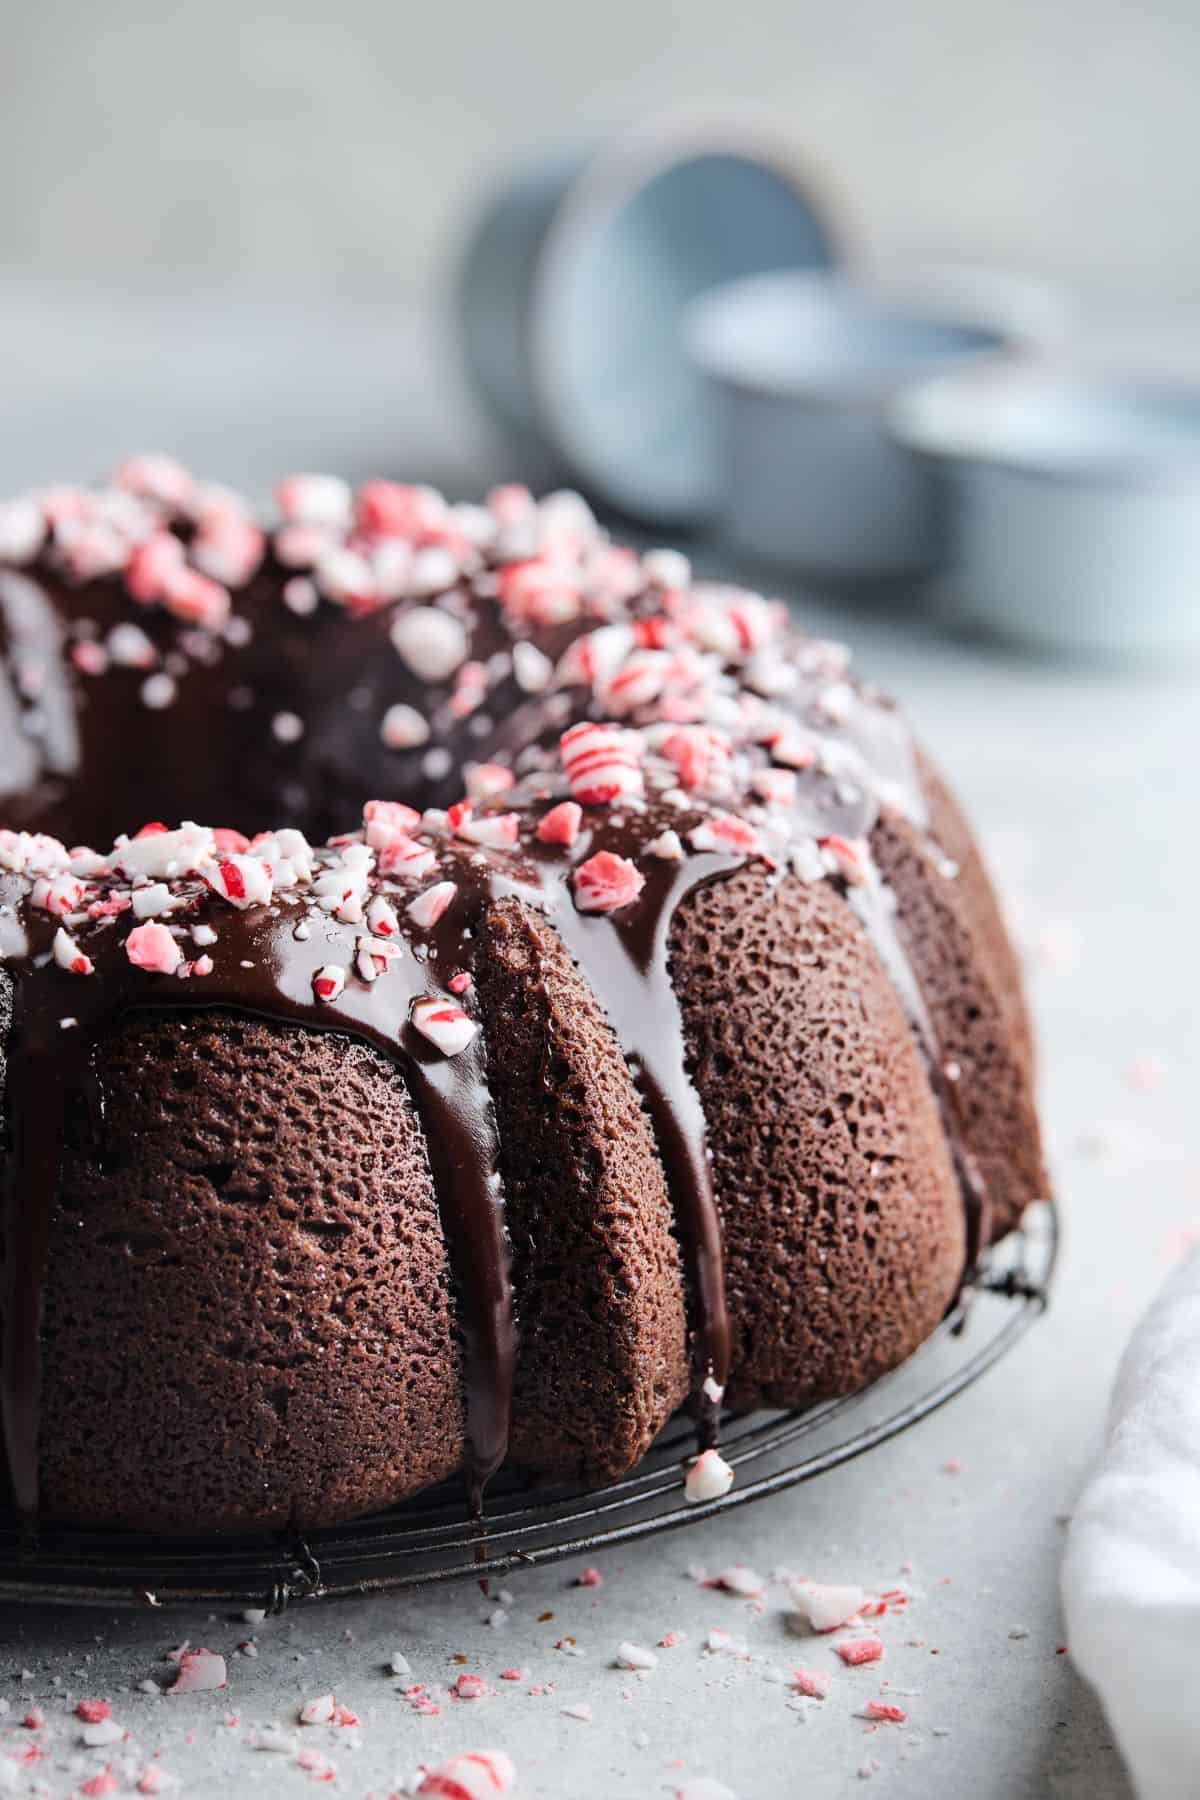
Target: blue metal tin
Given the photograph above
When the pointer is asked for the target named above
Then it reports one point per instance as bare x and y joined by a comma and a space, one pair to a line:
574, 284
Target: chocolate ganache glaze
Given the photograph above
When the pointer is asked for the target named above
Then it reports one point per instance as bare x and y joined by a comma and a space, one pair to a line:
625, 737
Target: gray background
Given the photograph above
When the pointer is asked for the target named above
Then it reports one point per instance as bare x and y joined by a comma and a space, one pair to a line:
301, 145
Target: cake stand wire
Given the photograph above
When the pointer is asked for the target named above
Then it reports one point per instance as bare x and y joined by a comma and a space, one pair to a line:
433, 1538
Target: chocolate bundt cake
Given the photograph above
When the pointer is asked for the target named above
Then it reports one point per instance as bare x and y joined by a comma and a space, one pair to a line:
578, 998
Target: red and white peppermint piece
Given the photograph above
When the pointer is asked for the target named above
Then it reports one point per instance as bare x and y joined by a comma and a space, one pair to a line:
532, 669
373, 956
384, 820
510, 503
485, 779
461, 983
104, 1731
229, 548
445, 1025
430, 641
812, 1683
882, 1713
150, 565
381, 918
733, 622
69, 956
96, 1786
699, 756
605, 882
601, 764
158, 691
837, 701
470, 1687
539, 593
561, 825
22, 529
319, 1711
58, 894
87, 863
404, 856
470, 690
328, 982
154, 1779
825, 1607
595, 658
300, 596
195, 599
708, 1478
346, 577
147, 902
153, 476
667, 568
152, 947
129, 647
92, 550
614, 574
199, 1671
639, 681
739, 1579
666, 847
242, 880
315, 500
848, 857
567, 521
726, 831
427, 908
859, 1650
158, 854
776, 786
479, 1775
302, 546
494, 831
404, 728
389, 509
434, 569
89, 657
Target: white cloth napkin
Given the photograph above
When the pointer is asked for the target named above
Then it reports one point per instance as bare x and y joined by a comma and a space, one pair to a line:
1131, 1578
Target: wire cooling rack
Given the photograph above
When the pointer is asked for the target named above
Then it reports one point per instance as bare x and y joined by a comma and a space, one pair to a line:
433, 1538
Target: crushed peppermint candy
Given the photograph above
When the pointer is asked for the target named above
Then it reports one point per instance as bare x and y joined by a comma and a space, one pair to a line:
709, 1477
151, 947
823, 1607
606, 882
445, 1025
601, 764
479, 1775
199, 1671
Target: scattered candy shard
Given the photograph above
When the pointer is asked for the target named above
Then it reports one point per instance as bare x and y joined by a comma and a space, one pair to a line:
479, 1775
708, 1478
199, 1670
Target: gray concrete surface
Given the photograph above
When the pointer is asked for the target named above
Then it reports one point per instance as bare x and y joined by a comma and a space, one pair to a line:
1083, 783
